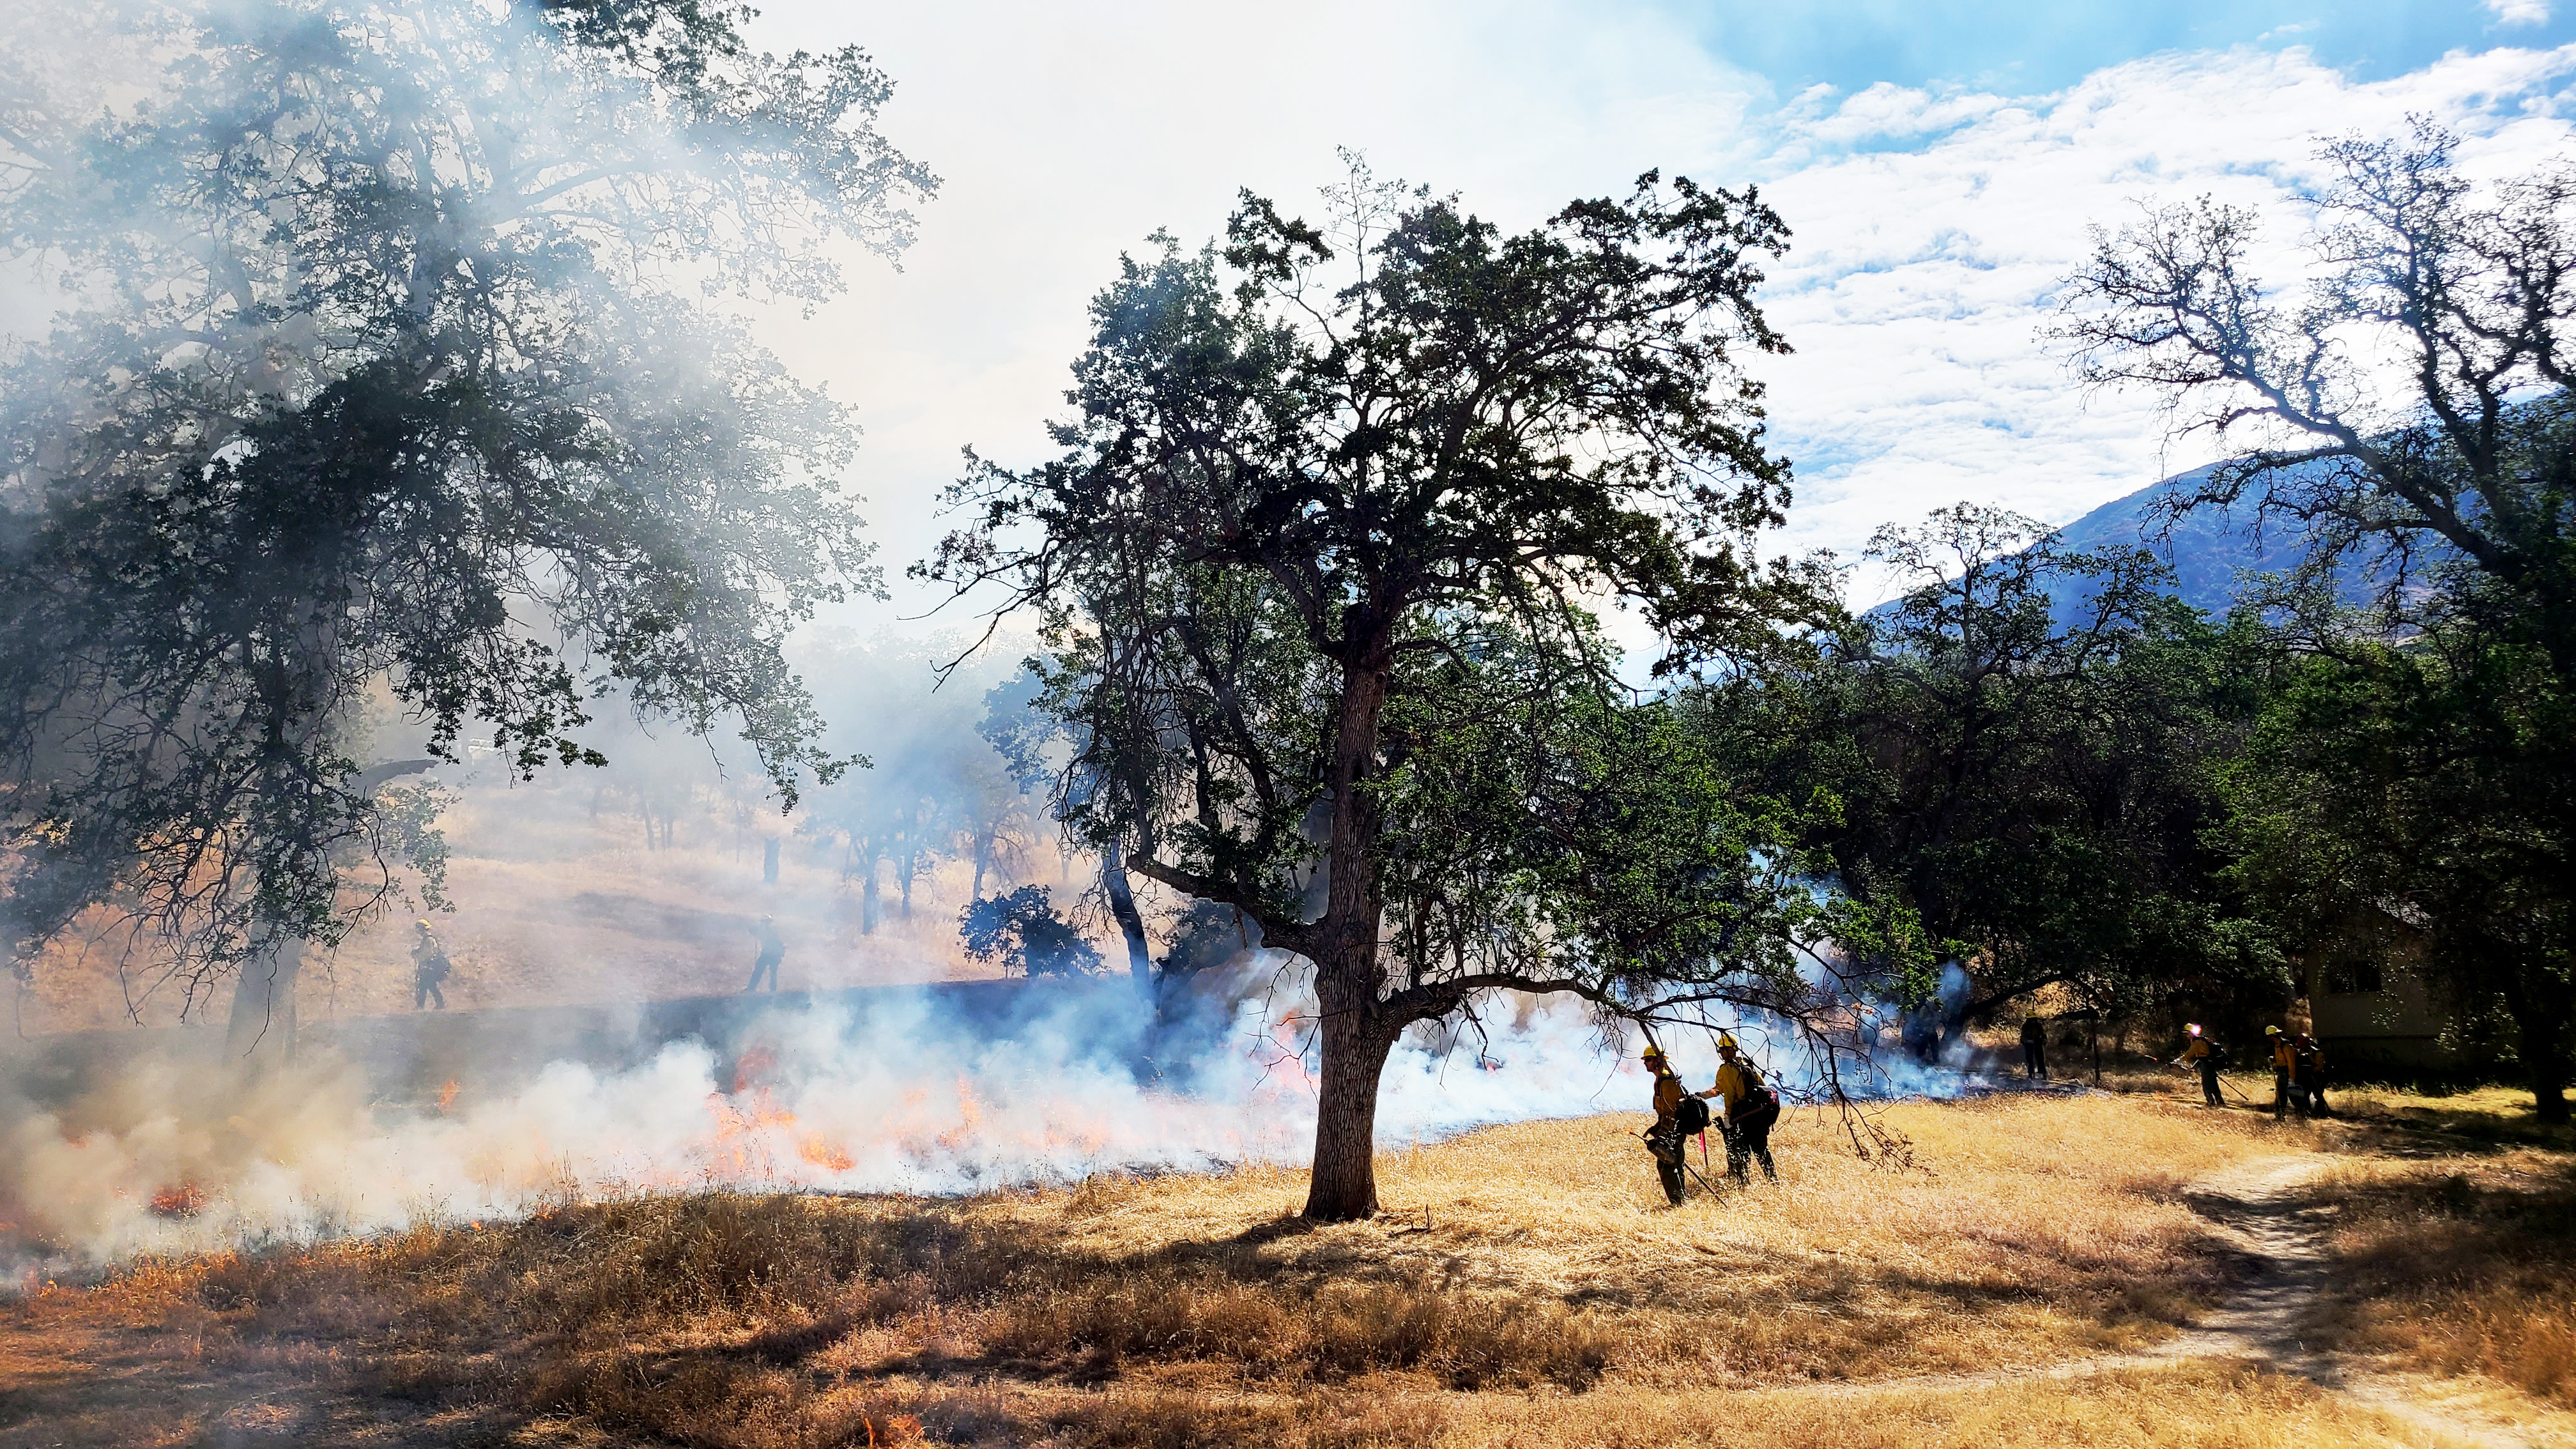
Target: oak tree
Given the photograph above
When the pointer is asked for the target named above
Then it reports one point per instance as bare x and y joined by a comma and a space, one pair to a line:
1332, 505
2411, 416
389, 380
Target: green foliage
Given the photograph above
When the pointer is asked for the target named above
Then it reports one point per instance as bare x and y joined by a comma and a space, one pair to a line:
1540, 825
1328, 490
1206, 936
2416, 428
2415, 797
371, 372
2035, 787
1278, 494
410, 828
1022, 931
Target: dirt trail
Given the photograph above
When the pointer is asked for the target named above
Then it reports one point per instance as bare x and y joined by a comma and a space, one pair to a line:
2257, 1207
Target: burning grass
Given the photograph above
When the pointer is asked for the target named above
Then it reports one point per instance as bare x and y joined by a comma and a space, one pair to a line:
1526, 1286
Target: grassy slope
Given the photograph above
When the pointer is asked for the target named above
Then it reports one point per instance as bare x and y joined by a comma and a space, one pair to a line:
557, 906
1526, 1287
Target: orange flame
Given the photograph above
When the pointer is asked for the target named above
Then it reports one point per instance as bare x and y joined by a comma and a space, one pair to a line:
180, 1200
821, 1152
970, 1115
751, 1066
446, 1096
739, 1146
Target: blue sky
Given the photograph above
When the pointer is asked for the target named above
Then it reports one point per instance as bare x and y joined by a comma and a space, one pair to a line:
1939, 164
2026, 47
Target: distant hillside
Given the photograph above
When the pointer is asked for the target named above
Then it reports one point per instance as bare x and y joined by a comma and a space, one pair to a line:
2208, 549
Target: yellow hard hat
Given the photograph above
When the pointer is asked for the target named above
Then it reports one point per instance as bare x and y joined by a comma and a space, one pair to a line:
1725, 1041
1651, 1052
424, 925
2271, 1031
2192, 1028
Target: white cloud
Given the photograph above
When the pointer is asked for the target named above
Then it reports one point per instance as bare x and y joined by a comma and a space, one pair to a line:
1930, 224
1921, 282
2519, 12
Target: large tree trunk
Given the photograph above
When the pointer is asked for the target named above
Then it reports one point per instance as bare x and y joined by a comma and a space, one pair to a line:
1131, 923
2549, 1092
1355, 1037
1343, 1187
2540, 1018
261, 1029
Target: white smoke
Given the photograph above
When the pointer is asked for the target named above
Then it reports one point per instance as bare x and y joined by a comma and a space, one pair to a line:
900, 1099
904, 1096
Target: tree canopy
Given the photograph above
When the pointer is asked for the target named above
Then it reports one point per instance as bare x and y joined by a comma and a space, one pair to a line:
1022, 931
1315, 565
380, 369
2022, 743
2413, 419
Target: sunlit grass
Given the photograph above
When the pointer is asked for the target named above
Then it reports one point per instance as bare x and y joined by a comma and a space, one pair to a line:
1527, 1285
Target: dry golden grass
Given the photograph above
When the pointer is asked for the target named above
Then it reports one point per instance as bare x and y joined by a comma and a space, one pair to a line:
2188, 1406
560, 907
1534, 1258
2500, 1114
1526, 1287
2048, 1226
2459, 1264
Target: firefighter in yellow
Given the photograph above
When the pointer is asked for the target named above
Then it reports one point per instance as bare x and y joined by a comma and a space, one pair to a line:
1665, 1138
2308, 1075
2285, 1064
1751, 1108
429, 967
2199, 1055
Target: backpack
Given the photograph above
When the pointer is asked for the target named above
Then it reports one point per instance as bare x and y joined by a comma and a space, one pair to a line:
1692, 1115
1761, 1104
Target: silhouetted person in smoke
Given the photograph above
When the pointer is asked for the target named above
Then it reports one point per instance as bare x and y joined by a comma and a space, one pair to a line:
428, 968
772, 951
2034, 1049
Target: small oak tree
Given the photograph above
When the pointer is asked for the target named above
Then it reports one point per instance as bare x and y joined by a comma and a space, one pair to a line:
1327, 512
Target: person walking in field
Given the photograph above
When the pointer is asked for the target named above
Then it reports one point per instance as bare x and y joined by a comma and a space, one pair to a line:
1673, 1122
429, 967
2034, 1049
2308, 1075
1750, 1108
772, 951
2285, 1063
2202, 1055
